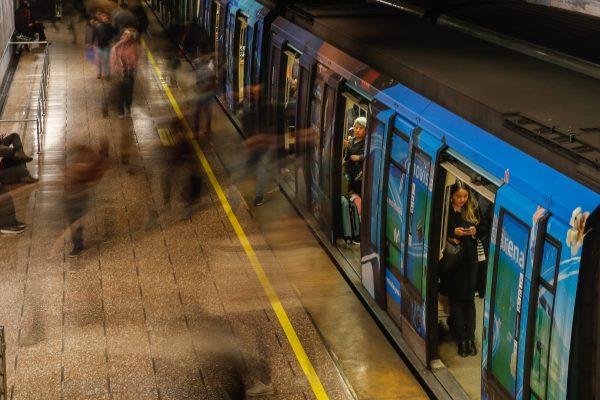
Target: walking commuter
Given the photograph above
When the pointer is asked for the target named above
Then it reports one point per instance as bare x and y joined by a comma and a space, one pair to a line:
137, 9
206, 84
123, 18
460, 284
124, 58
261, 141
84, 170
181, 168
102, 38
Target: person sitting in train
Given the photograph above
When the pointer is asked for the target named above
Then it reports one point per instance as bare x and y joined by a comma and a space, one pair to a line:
460, 284
26, 24
354, 148
13, 169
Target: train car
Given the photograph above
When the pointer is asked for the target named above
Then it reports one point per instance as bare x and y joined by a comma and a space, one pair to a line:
442, 106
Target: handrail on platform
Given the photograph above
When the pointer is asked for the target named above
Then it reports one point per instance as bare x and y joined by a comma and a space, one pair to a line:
3, 387
40, 112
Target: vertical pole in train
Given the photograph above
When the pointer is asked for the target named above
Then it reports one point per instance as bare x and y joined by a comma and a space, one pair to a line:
2, 365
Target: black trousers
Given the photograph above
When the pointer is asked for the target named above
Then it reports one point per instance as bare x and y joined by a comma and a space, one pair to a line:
462, 323
7, 208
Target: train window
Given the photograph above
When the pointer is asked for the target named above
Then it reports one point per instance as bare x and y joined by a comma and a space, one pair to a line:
355, 107
400, 150
217, 18
313, 143
243, 27
549, 259
509, 271
543, 322
290, 97
327, 140
395, 202
315, 112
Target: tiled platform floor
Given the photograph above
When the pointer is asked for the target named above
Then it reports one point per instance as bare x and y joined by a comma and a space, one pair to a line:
162, 312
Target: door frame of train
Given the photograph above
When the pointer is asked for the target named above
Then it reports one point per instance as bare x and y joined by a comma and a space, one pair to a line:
520, 209
307, 73
373, 275
429, 145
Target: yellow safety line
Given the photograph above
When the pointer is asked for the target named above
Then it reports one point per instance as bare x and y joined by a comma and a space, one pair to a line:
285, 322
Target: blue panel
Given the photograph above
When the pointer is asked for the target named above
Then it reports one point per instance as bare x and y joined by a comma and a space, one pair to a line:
404, 125
542, 184
404, 101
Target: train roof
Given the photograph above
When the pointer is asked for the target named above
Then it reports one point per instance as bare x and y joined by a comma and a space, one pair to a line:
546, 110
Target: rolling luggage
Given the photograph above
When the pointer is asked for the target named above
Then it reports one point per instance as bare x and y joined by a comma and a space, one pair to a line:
350, 221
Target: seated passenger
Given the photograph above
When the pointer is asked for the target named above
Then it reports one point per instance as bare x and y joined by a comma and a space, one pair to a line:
25, 23
8, 219
13, 160
354, 156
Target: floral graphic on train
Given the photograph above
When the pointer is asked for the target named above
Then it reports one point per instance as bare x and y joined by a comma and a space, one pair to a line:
576, 232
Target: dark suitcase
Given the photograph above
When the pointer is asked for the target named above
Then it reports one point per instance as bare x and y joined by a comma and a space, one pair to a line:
350, 221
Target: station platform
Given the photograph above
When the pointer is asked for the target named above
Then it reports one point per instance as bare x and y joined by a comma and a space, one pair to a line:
169, 307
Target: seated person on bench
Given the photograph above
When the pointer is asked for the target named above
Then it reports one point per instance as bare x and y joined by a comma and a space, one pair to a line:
13, 160
25, 23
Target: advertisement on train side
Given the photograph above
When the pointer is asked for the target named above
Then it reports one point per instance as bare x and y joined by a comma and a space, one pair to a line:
591, 7
510, 277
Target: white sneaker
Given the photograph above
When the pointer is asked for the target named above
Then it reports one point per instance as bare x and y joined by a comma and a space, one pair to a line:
260, 389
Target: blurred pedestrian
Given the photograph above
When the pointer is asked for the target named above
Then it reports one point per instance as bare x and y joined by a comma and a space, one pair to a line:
103, 33
261, 140
206, 84
124, 58
137, 9
181, 167
123, 18
85, 168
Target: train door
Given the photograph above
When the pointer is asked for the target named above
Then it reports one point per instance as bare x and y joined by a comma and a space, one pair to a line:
288, 109
442, 343
372, 274
423, 152
353, 106
320, 144
304, 135
514, 234
394, 217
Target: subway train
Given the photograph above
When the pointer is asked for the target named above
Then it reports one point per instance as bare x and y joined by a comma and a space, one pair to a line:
441, 106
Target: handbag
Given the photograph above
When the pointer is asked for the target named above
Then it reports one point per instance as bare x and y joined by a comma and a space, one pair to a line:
90, 54
480, 251
453, 253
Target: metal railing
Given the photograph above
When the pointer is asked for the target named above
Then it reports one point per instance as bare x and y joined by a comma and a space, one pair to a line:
40, 113
3, 386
